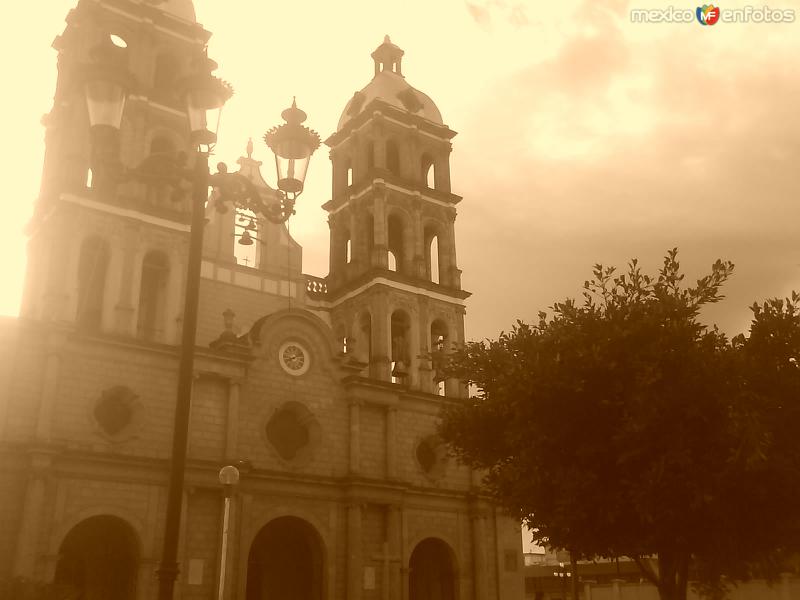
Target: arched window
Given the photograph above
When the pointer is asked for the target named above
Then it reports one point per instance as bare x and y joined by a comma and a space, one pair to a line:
349, 250
401, 327
432, 256
396, 245
392, 157
433, 251
152, 296
92, 267
428, 171
438, 348
349, 169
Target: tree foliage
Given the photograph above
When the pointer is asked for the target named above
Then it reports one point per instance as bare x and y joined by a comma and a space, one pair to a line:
622, 426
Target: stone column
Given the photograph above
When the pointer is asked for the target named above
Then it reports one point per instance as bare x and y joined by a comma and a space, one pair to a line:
480, 589
380, 256
394, 542
616, 589
232, 423
52, 367
71, 262
112, 286
32, 513
391, 442
587, 589
449, 273
56, 302
381, 363
355, 436
354, 555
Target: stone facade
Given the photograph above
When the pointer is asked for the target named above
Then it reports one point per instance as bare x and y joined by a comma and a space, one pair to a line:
323, 392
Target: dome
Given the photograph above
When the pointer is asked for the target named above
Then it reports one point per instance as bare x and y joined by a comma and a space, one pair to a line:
390, 86
183, 9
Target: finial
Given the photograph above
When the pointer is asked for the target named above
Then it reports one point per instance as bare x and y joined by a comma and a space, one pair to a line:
294, 101
387, 39
250, 148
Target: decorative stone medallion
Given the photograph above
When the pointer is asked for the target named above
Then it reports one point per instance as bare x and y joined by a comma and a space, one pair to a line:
294, 358
117, 412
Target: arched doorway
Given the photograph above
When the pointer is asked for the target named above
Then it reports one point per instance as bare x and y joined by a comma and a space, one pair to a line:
431, 571
98, 560
285, 562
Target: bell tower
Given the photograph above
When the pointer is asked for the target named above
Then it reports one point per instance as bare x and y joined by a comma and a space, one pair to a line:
394, 283
106, 252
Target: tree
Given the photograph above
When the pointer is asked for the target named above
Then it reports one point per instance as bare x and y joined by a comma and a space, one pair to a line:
622, 426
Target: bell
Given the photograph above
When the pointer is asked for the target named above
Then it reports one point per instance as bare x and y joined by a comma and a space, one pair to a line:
246, 239
399, 369
251, 226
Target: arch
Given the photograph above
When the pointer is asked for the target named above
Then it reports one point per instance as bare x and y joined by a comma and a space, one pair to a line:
439, 345
428, 171
432, 571
98, 559
434, 257
348, 169
401, 345
325, 338
92, 271
393, 157
286, 561
153, 296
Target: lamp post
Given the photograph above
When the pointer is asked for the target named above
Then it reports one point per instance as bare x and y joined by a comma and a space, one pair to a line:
228, 477
107, 83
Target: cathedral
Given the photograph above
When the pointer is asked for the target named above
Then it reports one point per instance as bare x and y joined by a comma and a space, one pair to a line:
324, 392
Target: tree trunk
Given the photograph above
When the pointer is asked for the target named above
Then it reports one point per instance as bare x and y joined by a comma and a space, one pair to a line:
673, 570
573, 562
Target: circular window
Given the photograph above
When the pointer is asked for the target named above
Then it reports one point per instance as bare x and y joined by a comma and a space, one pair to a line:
294, 358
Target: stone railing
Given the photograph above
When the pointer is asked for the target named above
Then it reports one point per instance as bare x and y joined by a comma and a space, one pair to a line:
316, 287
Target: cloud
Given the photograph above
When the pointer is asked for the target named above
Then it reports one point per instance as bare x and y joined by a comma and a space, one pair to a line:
620, 146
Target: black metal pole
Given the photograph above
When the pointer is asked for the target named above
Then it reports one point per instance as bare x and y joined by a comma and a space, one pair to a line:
168, 569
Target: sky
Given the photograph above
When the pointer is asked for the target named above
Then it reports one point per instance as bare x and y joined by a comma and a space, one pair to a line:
583, 137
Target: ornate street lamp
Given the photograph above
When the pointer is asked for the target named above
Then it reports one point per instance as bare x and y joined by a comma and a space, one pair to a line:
107, 83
